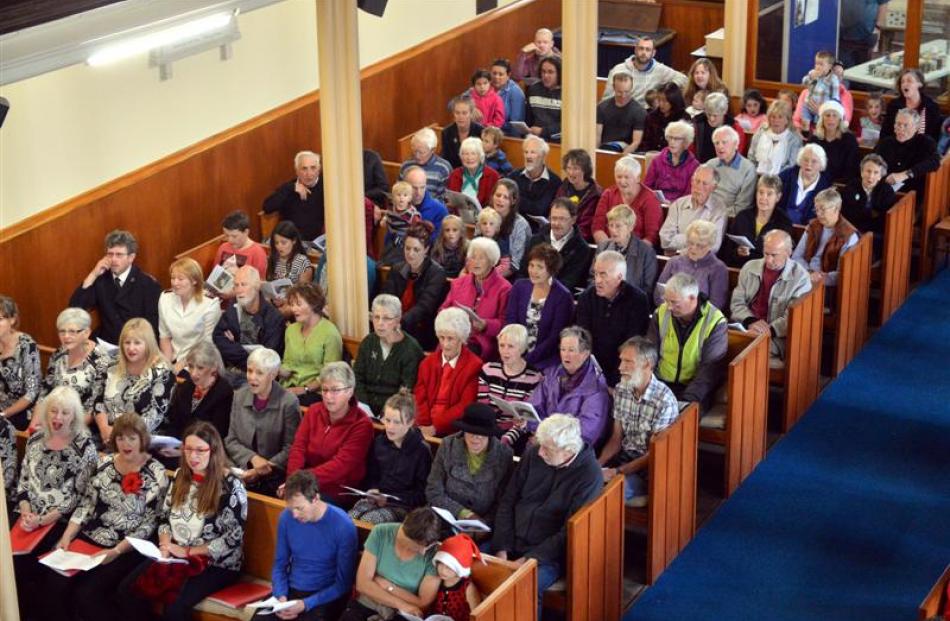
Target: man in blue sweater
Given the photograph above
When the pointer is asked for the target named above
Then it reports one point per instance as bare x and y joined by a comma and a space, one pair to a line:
316, 553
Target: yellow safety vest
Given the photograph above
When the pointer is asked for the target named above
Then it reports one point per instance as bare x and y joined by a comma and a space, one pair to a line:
678, 362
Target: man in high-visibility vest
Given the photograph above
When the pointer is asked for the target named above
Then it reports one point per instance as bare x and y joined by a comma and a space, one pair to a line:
691, 335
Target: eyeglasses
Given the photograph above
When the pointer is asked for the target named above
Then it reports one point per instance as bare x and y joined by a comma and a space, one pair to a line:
382, 318
116, 255
71, 331
334, 391
196, 451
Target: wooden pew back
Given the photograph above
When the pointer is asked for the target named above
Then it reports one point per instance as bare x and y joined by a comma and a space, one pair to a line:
936, 600
203, 253
851, 312
802, 355
935, 207
392, 171
895, 259
260, 534
267, 222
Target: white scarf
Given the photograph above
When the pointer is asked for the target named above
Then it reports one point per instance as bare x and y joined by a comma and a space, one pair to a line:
770, 151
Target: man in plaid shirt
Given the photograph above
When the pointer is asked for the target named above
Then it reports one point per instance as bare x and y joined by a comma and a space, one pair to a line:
643, 406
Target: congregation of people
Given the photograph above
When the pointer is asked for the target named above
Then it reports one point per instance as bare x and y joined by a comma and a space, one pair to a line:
601, 304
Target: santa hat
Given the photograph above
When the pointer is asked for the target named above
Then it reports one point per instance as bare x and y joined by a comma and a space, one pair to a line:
458, 552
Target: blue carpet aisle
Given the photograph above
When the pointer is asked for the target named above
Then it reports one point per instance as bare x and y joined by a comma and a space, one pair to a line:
849, 515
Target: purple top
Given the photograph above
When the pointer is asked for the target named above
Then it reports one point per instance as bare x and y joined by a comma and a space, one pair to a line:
589, 401
710, 273
557, 313
673, 181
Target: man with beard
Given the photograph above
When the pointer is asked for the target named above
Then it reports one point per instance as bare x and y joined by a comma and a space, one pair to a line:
643, 406
250, 321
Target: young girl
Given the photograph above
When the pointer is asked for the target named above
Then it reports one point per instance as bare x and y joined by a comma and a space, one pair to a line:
871, 121
697, 105
494, 156
399, 464
451, 246
753, 115
397, 221
457, 595
487, 101
489, 225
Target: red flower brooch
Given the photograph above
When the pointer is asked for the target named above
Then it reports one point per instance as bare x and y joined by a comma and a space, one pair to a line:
132, 483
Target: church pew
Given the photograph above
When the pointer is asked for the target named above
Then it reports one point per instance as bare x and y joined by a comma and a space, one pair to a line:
670, 516
935, 206
848, 322
799, 377
601, 87
392, 171
267, 222
46, 353
895, 259
936, 600
742, 433
203, 253
352, 346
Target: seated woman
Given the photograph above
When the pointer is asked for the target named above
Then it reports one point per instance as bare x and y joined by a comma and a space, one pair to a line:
454, 134
419, 283
825, 239
140, 381
398, 465
20, 374
203, 523
201, 393
448, 377
627, 190
473, 178
287, 259
543, 98
309, 343
575, 387
715, 115
909, 154
514, 233
700, 262
125, 498
334, 436
774, 147
186, 316
841, 147
541, 304
396, 571
671, 171
388, 359
801, 183
264, 419
753, 224
866, 201
580, 187
509, 380
471, 467
79, 363
483, 294
670, 107
641, 257
59, 461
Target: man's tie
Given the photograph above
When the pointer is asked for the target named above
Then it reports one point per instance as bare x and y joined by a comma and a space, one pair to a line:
117, 281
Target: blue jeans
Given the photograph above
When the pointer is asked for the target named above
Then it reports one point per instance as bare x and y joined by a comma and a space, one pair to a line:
634, 485
548, 574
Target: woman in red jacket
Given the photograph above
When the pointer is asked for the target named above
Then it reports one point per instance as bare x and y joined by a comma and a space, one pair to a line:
448, 377
473, 177
334, 436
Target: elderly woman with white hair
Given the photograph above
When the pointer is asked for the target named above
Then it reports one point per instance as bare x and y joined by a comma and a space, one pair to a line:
473, 178
801, 183
483, 294
909, 154
673, 167
448, 377
736, 186
775, 145
464, 127
627, 190
840, 145
202, 393
715, 115
556, 476
264, 419
640, 256
78, 363
700, 262
437, 170
388, 358
827, 236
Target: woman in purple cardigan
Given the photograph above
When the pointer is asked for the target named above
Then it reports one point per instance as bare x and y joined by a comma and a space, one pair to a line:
700, 262
541, 304
671, 171
483, 294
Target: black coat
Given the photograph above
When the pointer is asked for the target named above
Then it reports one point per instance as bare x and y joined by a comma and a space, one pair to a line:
375, 182
844, 156
534, 197
919, 154
927, 105
430, 290
451, 142
611, 322
744, 224
138, 297
307, 215
270, 325
575, 258
401, 472
867, 218
214, 408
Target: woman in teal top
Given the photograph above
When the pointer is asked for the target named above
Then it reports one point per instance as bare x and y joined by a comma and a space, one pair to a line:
396, 571
309, 343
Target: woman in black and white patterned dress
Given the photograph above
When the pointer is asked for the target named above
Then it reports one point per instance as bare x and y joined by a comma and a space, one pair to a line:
140, 381
19, 367
78, 363
204, 514
124, 499
60, 460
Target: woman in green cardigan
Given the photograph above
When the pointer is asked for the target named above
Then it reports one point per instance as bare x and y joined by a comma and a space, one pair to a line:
309, 343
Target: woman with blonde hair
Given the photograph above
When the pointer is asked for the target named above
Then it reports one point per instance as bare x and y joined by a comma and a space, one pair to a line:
185, 315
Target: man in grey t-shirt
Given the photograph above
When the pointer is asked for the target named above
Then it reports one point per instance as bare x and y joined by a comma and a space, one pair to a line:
620, 119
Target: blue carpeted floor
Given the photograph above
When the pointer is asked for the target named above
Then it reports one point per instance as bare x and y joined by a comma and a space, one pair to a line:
848, 517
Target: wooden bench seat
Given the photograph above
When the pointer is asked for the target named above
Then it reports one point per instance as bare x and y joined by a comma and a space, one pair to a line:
894, 271
936, 206
799, 376
936, 600
848, 323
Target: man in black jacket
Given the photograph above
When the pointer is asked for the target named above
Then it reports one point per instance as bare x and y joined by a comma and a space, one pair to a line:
250, 320
118, 289
537, 184
562, 233
300, 200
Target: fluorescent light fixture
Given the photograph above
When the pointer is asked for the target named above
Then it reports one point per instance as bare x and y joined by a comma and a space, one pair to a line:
161, 38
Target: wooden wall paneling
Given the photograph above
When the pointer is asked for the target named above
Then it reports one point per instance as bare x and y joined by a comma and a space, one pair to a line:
850, 323
895, 259
692, 21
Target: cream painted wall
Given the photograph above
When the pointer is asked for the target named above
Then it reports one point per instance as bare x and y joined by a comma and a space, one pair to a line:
72, 130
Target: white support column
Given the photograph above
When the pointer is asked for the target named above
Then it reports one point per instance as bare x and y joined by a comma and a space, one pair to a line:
579, 75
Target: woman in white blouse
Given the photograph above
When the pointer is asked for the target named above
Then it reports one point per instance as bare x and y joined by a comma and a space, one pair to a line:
775, 145
185, 315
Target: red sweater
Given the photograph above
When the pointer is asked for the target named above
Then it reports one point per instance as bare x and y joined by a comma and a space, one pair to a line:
645, 205
336, 453
486, 185
464, 389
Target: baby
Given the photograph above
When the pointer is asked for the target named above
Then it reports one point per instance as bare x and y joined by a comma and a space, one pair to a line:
823, 84
397, 221
698, 105
871, 121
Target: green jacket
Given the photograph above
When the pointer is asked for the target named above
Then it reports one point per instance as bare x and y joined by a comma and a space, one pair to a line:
378, 379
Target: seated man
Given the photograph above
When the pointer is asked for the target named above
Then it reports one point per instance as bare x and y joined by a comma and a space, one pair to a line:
526, 65
737, 177
431, 209
620, 119
509, 91
238, 249
612, 310
555, 477
251, 320
437, 170
565, 237
692, 338
537, 184
825, 239
643, 406
118, 289
315, 554
648, 73
766, 288
300, 200
701, 204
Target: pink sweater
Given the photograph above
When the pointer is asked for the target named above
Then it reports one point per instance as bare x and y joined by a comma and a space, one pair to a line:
491, 106
490, 307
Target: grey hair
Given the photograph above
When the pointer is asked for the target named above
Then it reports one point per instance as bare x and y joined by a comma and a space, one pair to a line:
815, 150
426, 136
205, 354
877, 160
266, 360
704, 230
715, 173
339, 372
454, 320
487, 246
302, 154
683, 284
517, 334
389, 303
644, 347
583, 337
717, 103
782, 236
913, 114
561, 430
75, 316
680, 128
475, 144
829, 198
629, 162
618, 264
546, 31
66, 398
118, 237
545, 148
729, 131
253, 275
